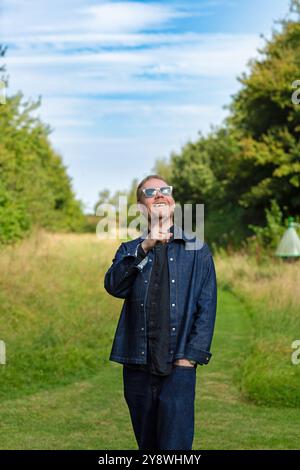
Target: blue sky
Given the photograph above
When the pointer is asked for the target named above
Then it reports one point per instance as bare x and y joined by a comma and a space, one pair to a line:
125, 83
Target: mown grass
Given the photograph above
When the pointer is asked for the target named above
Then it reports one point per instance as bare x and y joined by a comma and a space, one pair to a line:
58, 389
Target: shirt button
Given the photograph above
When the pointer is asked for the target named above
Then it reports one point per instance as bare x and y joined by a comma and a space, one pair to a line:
143, 352
173, 280
142, 328
171, 259
173, 329
146, 282
173, 305
171, 352
142, 305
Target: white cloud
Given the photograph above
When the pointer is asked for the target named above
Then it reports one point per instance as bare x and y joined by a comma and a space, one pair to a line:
74, 16
209, 55
62, 40
129, 16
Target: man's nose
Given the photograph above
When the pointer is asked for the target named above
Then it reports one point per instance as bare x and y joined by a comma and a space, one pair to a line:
158, 194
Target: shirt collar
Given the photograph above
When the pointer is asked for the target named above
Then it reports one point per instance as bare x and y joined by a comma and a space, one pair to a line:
178, 234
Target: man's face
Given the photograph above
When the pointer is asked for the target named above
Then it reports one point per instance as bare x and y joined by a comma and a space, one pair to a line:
159, 206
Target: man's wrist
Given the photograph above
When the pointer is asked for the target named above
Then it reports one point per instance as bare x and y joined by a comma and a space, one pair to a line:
184, 361
141, 252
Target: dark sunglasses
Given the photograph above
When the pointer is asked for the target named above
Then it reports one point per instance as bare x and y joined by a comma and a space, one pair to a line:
151, 192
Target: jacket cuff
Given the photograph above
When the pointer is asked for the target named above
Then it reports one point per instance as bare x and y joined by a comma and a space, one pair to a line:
199, 355
140, 256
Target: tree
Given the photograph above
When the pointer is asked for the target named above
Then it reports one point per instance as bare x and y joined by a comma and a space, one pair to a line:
254, 157
34, 186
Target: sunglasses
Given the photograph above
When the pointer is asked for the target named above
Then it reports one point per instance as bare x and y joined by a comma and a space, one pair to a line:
164, 190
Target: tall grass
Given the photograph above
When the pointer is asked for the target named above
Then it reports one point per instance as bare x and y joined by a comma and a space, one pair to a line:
54, 318
271, 291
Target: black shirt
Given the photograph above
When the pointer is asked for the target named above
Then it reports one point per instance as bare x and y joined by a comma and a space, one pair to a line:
157, 313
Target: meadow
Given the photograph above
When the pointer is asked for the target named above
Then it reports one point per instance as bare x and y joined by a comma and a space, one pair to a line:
58, 389
270, 289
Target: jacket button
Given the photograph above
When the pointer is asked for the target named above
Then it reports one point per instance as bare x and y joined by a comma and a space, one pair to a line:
142, 328
146, 281
143, 352
171, 352
142, 305
173, 280
171, 259
173, 305
173, 329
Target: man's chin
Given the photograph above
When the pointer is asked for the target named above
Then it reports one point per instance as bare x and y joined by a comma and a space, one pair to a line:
165, 211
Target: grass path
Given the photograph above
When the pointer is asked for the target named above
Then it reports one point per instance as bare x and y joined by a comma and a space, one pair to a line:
92, 414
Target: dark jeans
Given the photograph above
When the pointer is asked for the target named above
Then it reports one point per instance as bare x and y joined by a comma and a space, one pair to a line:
161, 407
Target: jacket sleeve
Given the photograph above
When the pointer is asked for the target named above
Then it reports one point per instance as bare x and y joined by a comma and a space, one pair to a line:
124, 269
200, 337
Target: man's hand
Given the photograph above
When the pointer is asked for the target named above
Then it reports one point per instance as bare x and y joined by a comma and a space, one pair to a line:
183, 362
157, 235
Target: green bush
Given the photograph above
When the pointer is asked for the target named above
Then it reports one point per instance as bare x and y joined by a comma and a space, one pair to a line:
268, 236
14, 219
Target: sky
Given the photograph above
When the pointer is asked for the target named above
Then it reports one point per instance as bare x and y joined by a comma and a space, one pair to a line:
124, 83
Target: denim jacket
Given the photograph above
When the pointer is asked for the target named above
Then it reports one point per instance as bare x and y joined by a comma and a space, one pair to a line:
193, 301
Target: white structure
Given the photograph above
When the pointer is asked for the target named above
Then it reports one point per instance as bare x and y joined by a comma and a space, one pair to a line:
289, 245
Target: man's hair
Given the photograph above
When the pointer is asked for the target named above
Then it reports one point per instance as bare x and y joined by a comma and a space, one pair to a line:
139, 192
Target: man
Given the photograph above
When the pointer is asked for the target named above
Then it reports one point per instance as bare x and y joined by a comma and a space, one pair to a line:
166, 324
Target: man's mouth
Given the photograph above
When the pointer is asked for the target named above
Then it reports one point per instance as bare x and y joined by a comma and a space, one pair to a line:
159, 204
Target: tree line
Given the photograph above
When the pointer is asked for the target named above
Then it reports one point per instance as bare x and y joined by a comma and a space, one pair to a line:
247, 171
